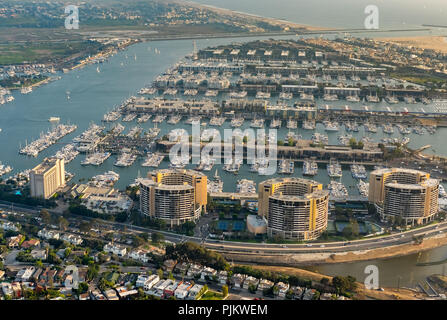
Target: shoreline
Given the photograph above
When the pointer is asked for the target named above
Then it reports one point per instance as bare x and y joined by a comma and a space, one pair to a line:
362, 292
436, 43
318, 259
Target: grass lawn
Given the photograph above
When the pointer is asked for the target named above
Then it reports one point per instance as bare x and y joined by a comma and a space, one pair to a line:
212, 295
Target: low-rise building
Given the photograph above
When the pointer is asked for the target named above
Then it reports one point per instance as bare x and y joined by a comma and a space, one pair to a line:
265, 284
194, 270
181, 268
139, 255
208, 273
194, 292
114, 248
30, 243
251, 281
111, 294
73, 239
309, 294
150, 282
222, 277
25, 274
125, 293
182, 290
48, 234
238, 280
283, 288
39, 254
14, 242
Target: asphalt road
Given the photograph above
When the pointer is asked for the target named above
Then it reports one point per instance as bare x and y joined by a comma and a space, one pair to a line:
266, 248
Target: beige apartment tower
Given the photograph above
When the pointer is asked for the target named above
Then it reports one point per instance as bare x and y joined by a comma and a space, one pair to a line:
405, 193
295, 208
174, 195
47, 178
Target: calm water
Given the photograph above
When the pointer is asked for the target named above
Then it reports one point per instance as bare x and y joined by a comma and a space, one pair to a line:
93, 94
343, 13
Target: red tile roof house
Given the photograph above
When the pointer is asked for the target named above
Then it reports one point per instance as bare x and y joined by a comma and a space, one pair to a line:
30, 243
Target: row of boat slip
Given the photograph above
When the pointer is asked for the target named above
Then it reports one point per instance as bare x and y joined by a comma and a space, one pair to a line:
5, 99
135, 132
257, 123
111, 116
96, 158
174, 119
320, 138
211, 93
309, 125
130, 117
389, 141
310, 168
47, 140
337, 190
292, 124
126, 159
179, 162
286, 167
206, 164
144, 118
191, 92
363, 188
275, 124
215, 185
153, 160
148, 91
358, 171
233, 166
237, 122
170, 92
245, 186
334, 170
68, 153
117, 129
217, 121
4, 169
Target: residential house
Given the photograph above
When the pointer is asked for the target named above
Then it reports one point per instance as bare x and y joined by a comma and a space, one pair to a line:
139, 255
39, 254
264, 284
25, 274
111, 294
168, 265
14, 242
194, 292
124, 293
222, 277
238, 280
170, 289
73, 239
48, 234
309, 294
182, 290
250, 281
283, 288
181, 268
150, 282
194, 270
115, 249
30, 243
208, 273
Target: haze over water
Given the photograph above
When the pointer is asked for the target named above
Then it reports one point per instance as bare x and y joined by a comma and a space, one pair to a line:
343, 13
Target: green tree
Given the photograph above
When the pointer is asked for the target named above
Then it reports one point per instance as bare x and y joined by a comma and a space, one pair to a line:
157, 237
224, 291
45, 216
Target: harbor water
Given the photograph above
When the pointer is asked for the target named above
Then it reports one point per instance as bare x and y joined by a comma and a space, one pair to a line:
84, 95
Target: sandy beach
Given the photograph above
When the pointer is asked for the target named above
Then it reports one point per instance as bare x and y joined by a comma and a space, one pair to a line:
273, 21
437, 43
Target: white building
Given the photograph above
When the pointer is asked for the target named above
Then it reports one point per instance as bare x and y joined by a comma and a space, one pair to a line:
115, 249
194, 292
48, 234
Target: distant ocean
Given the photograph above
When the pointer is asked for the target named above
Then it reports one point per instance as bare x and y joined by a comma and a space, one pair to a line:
393, 14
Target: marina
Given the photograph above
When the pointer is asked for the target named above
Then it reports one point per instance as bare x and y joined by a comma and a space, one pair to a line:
153, 160
47, 140
310, 168
96, 159
334, 169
